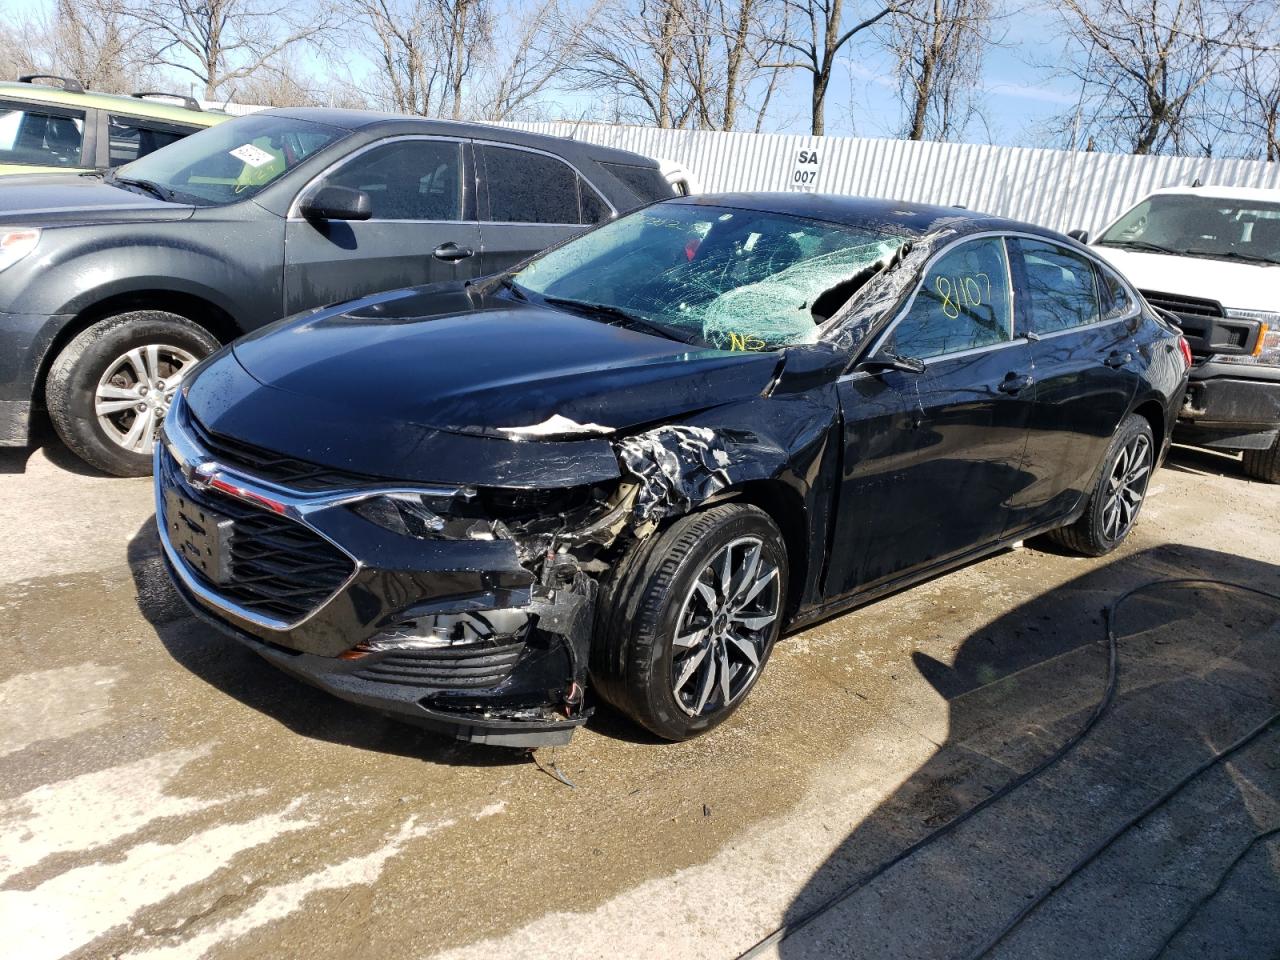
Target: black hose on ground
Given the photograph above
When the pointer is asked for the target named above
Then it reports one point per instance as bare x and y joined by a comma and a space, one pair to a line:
1100, 709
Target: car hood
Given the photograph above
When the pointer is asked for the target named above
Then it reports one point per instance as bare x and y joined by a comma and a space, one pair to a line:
40, 200
1237, 286
446, 385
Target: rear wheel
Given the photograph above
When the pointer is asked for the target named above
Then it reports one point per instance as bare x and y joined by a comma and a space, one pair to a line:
1264, 465
1118, 493
692, 622
110, 388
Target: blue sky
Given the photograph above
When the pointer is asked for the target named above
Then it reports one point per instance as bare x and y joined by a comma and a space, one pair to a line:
1018, 93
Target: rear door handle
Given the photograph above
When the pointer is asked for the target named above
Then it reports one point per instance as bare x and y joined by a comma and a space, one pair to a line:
1015, 383
1115, 360
451, 253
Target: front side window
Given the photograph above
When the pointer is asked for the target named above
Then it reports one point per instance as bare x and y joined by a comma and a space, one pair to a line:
527, 187
407, 179
1061, 284
130, 139
29, 135
1200, 226
231, 161
717, 276
963, 303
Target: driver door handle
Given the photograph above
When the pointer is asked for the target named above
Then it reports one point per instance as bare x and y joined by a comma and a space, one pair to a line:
1115, 360
451, 253
1015, 383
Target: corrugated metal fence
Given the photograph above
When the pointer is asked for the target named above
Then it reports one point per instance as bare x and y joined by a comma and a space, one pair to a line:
1057, 188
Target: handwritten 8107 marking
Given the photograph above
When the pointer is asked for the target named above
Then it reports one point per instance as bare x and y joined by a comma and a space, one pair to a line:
966, 290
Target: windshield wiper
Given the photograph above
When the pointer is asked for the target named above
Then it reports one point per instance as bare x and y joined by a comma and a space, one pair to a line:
508, 284
157, 191
1233, 255
1140, 245
616, 313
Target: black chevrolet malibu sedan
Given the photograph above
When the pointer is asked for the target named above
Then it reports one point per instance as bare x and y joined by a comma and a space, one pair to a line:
637, 459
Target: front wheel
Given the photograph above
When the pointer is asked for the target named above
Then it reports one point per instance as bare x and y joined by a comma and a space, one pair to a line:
1118, 493
694, 620
1264, 465
111, 386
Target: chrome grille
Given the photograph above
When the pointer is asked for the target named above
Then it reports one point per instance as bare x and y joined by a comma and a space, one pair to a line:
276, 567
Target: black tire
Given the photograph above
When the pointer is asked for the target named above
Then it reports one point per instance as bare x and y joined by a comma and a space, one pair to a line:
72, 385
1091, 535
632, 665
1264, 465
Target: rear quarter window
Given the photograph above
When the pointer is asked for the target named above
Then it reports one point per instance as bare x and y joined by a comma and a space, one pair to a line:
647, 183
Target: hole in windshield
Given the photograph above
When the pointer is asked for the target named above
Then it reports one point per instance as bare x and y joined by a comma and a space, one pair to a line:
724, 277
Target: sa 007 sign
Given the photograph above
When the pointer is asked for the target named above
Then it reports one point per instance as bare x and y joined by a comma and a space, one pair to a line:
804, 171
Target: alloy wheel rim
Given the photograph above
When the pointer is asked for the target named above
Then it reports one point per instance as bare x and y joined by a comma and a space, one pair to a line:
1126, 487
135, 392
723, 629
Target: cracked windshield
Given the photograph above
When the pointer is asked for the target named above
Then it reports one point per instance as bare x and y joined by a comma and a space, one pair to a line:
1212, 227
717, 276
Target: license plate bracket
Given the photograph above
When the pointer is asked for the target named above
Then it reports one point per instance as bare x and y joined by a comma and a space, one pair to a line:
202, 537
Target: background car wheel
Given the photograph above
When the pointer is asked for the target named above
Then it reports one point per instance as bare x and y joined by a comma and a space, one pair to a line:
110, 387
1264, 465
1118, 494
691, 620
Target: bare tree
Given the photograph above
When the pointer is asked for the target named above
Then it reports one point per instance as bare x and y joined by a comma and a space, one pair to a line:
1151, 72
635, 54
220, 42
939, 47
17, 55
425, 51
99, 44
537, 53
1256, 85
819, 36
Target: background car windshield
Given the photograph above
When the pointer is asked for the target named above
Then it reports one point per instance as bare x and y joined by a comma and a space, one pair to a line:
1200, 226
729, 278
234, 160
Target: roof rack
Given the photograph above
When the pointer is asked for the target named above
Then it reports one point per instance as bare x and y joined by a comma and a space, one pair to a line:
64, 83
189, 102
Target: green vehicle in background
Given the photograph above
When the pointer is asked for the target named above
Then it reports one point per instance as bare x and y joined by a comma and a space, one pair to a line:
56, 127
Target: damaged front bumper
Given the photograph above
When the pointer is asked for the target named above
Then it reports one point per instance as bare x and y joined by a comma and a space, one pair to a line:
467, 636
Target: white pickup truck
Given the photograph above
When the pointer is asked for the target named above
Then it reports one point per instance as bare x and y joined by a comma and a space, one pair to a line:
1211, 257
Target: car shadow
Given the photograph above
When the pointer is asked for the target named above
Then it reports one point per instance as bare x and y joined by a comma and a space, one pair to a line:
1000, 718
223, 663
16, 460
1205, 462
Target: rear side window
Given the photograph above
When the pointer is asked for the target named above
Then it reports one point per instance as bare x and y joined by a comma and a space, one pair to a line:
963, 303
1061, 284
407, 179
131, 139
1115, 299
647, 183
594, 209
527, 187
32, 136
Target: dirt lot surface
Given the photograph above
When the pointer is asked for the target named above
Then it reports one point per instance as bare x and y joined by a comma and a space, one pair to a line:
165, 794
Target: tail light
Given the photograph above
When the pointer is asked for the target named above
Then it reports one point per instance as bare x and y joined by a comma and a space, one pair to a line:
1185, 349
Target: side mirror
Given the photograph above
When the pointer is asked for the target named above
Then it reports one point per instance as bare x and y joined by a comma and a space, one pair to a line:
1081, 235
891, 361
337, 203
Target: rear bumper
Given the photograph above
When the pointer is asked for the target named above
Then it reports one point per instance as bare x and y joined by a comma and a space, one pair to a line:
1230, 412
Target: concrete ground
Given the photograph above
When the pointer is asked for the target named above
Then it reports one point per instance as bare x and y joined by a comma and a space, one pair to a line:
165, 794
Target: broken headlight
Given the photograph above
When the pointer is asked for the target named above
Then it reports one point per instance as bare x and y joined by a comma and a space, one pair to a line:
425, 516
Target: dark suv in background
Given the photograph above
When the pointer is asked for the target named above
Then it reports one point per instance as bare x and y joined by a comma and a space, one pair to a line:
113, 286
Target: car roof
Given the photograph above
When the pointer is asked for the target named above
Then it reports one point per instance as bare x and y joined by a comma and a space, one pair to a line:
366, 120
111, 102
1227, 193
919, 218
